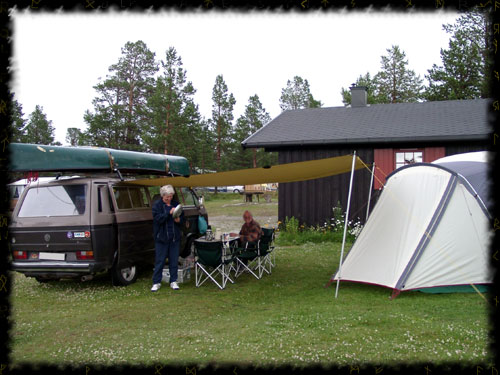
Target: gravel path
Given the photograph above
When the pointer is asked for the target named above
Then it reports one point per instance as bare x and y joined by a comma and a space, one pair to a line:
234, 223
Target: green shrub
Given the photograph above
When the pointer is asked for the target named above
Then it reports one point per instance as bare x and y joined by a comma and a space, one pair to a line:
291, 225
332, 230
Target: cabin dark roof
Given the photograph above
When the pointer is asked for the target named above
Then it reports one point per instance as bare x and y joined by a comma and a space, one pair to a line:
453, 120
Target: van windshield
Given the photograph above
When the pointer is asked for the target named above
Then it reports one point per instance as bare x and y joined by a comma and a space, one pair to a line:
62, 200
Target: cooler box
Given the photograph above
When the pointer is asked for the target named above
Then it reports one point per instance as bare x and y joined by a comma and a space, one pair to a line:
183, 275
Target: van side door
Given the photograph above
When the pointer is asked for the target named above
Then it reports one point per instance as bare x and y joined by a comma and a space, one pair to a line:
134, 223
103, 224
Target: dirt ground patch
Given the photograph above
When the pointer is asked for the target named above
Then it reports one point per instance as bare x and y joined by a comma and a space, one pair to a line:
234, 223
226, 215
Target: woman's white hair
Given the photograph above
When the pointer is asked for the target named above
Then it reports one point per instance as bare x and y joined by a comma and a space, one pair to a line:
167, 189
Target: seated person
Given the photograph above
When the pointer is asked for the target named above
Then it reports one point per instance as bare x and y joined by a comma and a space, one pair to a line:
250, 230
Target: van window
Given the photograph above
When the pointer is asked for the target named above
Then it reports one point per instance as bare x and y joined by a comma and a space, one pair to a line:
122, 198
188, 197
138, 197
128, 197
104, 203
110, 201
99, 198
62, 200
145, 196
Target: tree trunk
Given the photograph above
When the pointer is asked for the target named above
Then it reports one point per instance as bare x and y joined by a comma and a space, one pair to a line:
167, 131
130, 110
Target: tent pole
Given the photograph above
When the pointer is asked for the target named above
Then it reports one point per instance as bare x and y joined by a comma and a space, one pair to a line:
370, 193
345, 222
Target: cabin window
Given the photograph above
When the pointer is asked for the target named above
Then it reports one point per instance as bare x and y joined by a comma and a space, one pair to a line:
410, 156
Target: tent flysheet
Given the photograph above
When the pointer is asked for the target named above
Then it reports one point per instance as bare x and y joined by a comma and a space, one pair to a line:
430, 228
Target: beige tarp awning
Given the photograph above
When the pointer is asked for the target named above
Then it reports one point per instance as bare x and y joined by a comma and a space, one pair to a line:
299, 171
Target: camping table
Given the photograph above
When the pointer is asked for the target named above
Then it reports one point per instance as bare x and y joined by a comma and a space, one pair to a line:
230, 240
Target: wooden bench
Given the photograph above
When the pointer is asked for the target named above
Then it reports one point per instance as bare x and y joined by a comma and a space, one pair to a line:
251, 190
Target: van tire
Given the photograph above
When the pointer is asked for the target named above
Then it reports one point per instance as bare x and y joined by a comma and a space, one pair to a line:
123, 276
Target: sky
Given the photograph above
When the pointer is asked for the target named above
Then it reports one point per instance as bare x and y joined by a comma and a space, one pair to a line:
58, 57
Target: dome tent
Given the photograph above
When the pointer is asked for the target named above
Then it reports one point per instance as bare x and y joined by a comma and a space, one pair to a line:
429, 228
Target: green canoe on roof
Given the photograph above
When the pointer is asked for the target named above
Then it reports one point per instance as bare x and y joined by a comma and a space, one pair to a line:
41, 158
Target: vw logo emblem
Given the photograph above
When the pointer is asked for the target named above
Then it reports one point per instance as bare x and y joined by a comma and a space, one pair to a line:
47, 237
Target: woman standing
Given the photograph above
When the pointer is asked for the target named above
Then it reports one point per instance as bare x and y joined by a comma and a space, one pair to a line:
167, 236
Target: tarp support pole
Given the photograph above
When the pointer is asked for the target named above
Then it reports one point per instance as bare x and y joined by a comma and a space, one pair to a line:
370, 193
345, 223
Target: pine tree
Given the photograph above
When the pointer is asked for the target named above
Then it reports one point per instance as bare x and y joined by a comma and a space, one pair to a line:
365, 81
221, 121
39, 130
18, 123
106, 123
297, 94
120, 107
466, 64
75, 137
395, 83
253, 119
205, 156
173, 116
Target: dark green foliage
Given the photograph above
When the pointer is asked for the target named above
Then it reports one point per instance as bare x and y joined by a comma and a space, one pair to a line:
395, 83
365, 81
253, 119
221, 122
297, 94
75, 137
173, 118
120, 107
18, 123
39, 130
137, 109
466, 64
465, 72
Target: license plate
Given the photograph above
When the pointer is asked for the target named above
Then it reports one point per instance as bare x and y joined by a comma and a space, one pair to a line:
51, 256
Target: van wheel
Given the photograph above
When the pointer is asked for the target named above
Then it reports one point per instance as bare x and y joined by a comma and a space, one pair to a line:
188, 249
123, 276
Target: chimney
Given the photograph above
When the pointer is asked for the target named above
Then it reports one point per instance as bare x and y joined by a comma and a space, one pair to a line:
358, 96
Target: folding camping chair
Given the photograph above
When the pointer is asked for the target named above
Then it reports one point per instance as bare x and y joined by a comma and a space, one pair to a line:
272, 255
265, 248
213, 259
246, 259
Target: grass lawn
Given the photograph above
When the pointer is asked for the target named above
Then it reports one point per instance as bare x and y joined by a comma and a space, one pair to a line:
284, 318
233, 204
